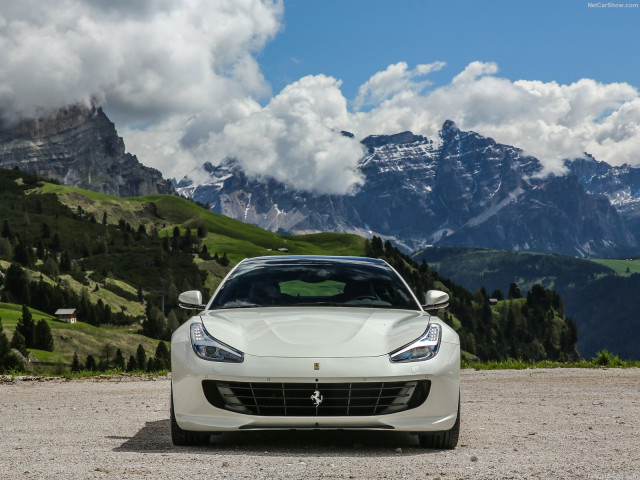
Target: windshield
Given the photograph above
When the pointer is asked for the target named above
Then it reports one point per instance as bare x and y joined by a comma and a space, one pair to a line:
302, 283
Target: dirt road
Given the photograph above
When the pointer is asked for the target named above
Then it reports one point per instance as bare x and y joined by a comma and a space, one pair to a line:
561, 423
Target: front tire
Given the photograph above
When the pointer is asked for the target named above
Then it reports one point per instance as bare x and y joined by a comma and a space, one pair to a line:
181, 437
447, 439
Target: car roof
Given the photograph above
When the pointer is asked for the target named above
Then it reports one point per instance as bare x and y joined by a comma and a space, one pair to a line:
313, 258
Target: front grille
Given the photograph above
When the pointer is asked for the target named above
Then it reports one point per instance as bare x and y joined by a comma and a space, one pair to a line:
299, 399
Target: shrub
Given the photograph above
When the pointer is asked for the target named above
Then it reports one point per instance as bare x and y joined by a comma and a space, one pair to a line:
604, 358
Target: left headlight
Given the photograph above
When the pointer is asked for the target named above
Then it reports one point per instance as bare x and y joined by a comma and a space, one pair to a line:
208, 348
424, 348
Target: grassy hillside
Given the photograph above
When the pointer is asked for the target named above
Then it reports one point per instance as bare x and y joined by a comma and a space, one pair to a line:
224, 235
81, 338
88, 288
599, 294
624, 267
497, 269
121, 261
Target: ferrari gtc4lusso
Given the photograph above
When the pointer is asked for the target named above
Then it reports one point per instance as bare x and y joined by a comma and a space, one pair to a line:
315, 343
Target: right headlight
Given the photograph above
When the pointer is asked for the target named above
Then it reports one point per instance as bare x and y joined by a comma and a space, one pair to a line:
208, 348
424, 348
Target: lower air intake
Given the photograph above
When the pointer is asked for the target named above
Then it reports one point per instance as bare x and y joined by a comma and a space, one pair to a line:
316, 400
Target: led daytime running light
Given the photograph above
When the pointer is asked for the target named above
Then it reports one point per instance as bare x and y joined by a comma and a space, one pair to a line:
208, 348
424, 348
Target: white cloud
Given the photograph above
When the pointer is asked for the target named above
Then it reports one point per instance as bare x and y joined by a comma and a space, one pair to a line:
181, 81
296, 138
395, 79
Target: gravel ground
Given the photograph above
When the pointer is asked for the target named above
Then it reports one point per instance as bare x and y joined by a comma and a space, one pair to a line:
560, 423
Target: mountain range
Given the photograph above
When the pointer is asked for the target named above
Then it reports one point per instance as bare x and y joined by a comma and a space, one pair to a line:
461, 189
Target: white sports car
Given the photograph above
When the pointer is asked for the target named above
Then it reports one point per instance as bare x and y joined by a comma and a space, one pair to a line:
310, 342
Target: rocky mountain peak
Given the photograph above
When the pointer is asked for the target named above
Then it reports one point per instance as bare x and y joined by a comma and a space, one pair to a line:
46, 125
374, 141
79, 146
449, 130
208, 167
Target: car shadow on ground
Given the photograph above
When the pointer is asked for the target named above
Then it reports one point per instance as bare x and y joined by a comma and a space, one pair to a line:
155, 437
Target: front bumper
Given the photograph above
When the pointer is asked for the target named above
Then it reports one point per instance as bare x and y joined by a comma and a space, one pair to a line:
194, 413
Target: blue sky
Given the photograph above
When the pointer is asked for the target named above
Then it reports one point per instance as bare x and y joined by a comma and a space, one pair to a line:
548, 40
271, 83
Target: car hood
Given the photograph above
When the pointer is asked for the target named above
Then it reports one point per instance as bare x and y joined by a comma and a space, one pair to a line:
315, 331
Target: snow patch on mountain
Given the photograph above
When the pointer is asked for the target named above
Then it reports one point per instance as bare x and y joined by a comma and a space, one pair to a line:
460, 189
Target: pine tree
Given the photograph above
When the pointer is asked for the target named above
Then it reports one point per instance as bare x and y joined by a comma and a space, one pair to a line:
204, 254
39, 249
75, 363
107, 355
45, 230
6, 248
154, 325
4, 343
102, 366
6, 230
497, 294
23, 255
224, 260
186, 240
55, 242
141, 357
162, 357
65, 262
18, 343
50, 267
27, 327
25, 295
43, 337
172, 322
16, 280
118, 360
175, 239
152, 365
91, 365
132, 365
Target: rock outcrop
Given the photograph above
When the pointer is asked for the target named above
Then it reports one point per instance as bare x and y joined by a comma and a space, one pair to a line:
79, 146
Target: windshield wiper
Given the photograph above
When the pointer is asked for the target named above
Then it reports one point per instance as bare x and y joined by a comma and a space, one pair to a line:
309, 304
337, 304
314, 304
244, 305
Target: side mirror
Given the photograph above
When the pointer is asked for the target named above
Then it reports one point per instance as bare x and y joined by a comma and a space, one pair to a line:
191, 300
435, 299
